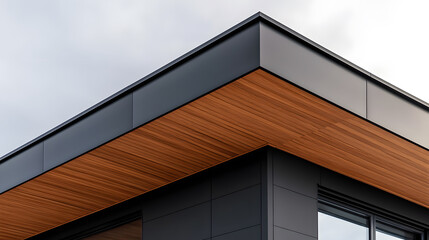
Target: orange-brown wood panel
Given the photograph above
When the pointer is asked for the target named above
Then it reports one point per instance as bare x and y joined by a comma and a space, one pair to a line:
256, 110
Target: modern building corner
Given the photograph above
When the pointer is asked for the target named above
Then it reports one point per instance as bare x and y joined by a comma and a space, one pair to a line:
258, 134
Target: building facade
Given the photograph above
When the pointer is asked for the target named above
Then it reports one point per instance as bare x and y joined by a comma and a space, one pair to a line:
257, 134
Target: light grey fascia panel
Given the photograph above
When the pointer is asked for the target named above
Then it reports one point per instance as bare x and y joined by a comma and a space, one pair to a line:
297, 63
398, 115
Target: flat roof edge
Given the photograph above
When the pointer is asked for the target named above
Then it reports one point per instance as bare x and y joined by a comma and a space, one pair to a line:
137, 84
199, 50
346, 62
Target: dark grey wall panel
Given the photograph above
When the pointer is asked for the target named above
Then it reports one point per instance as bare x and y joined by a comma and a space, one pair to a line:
295, 174
236, 211
243, 214
297, 63
284, 234
252, 233
90, 132
186, 193
236, 175
189, 224
21, 167
218, 65
373, 196
267, 202
295, 211
398, 115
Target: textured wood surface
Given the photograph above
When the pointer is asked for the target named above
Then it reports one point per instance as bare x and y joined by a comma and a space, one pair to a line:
256, 110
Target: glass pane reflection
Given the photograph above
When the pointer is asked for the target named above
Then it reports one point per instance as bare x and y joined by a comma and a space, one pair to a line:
333, 228
384, 236
385, 231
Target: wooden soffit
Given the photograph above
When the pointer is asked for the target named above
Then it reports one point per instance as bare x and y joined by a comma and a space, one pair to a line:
256, 110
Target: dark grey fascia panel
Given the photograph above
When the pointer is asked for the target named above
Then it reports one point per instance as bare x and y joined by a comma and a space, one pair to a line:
258, 42
90, 132
296, 62
148, 78
24, 166
217, 62
398, 115
219, 65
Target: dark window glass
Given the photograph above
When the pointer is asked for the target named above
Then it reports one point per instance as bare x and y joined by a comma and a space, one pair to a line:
131, 231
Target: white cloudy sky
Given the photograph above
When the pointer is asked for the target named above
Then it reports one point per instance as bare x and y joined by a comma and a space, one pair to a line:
57, 58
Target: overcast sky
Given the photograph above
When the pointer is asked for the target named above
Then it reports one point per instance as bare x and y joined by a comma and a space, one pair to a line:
58, 58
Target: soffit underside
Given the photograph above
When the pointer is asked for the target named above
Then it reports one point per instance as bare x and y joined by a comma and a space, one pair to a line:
256, 110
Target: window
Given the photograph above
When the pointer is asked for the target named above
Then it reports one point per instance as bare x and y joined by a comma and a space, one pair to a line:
387, 232
337, 222
130, 231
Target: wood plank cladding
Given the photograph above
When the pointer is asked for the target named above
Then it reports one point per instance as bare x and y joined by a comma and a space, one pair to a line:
256, 110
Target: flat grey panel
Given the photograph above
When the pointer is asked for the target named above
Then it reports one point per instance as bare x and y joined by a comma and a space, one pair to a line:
267, 203
90, 132
252, 233
296, 174
216, 66
186, 193
191, 223
306, 68
21, 167
398, 115
238, 174
373, 196
236, 211
295, 211
284, 234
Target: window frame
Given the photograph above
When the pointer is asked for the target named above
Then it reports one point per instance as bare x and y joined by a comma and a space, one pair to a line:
375, 216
